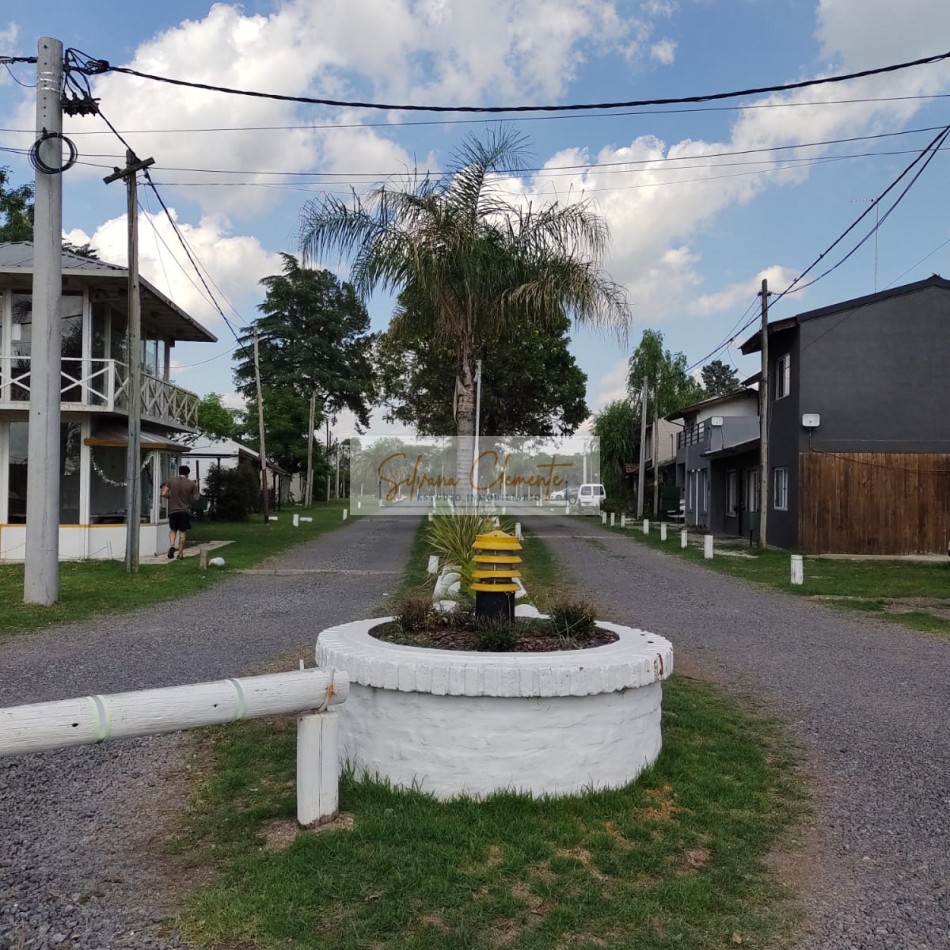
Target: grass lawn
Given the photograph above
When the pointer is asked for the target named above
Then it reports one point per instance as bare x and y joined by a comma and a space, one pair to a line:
89, 588
869, 586
676, 859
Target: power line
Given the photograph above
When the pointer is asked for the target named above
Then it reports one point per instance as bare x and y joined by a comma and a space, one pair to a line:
93, 67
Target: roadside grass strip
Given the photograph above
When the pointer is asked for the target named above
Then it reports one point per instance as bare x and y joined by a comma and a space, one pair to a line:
91, 588
890, 589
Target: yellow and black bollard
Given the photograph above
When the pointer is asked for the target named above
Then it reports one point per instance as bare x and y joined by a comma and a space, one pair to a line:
496, 557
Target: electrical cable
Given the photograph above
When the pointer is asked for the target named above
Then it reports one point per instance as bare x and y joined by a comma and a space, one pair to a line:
93, 67
25, 85
41, 166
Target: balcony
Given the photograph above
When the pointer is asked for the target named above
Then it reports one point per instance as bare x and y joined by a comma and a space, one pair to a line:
692, 435
101, 386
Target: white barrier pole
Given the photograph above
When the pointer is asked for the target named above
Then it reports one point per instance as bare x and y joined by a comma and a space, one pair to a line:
611, 519
430, 516
433, 566
603, 517
663, 531
798, 569
518, 530
318, 785
296, 520
646, 526
272, 517
683, 538
623, 521
345, 514
707, 546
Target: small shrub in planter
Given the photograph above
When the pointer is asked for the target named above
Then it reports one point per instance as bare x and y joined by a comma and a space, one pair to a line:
415, 613
572, 622
496, 636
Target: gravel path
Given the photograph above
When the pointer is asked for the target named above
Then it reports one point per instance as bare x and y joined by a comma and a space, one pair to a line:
78, 827
871, 700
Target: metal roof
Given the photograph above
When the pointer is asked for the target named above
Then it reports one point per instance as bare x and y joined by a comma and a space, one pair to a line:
711, 401
158, 312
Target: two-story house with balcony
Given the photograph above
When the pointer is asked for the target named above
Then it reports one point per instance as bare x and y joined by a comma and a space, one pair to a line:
717, 462
95, 380
859, 424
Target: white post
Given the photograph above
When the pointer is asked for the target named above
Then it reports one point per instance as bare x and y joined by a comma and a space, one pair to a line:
345, 514
359, 505
430, 516
296, 520
518, 530
611, 519
663, 531
623, 521
318, 792
683, 538
707, 546
798, 569
646, 525
603, 517
41, 571
433, 565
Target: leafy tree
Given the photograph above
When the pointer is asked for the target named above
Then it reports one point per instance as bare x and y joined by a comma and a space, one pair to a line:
662, 371
313, 337
479, 262
216, 421
531, 384
16, 210
719, 379
286, 417
617, 426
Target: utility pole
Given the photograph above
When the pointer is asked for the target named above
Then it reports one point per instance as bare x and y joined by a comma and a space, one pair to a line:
308, 491
877, 229
643, 438
478, 422
41, 571
260, 422
764, 420
328, 460
656, 454
338, 447
133, 458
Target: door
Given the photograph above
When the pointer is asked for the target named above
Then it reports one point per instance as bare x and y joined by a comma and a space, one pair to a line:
750, 500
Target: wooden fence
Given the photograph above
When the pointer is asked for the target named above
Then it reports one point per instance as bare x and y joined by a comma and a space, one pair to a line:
863, 503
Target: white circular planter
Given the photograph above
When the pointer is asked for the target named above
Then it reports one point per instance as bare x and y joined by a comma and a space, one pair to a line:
457, 722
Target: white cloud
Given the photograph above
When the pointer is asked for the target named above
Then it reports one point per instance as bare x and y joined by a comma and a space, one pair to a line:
742, 293
236, 263
664, 52
611, 385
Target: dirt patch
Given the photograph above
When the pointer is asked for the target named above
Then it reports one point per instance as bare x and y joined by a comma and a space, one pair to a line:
584, 856
694, 860
617, 835
504, 932
495, 856
435, 921
536, 904
662, 808
281, 833
531, 639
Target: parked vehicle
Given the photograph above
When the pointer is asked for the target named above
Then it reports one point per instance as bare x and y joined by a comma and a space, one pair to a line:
589, 497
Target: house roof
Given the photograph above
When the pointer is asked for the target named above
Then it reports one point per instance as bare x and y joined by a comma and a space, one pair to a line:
228, 448
116, 435
711, 401
754, 343
111, 280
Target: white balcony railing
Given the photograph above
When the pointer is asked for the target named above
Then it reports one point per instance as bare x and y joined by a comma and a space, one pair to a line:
101, 384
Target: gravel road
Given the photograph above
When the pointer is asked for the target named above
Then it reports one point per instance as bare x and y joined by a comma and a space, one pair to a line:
870, 699
79, 828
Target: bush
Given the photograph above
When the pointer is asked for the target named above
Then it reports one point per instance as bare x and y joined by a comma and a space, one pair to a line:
496, 636
252, 479
228, 494
415, 612
572, 622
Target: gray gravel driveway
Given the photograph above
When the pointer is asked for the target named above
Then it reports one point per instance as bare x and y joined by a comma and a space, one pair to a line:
79, 828
870, 699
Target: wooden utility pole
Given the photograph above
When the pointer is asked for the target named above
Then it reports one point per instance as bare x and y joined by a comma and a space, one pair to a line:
41, 570
133, 457
308, 491
643, 438
328, 460
764, 420
656, 455
260, 422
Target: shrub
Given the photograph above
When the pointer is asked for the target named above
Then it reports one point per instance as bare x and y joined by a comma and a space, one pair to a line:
228, 494
414, 612
496, 636
572, 622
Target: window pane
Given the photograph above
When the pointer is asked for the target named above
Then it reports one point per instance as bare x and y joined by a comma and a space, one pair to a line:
107, 485
16, 492
71, 342
69, 451
21, 339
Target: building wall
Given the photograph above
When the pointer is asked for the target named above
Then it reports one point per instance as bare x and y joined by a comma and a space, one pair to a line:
784, 436
720, 521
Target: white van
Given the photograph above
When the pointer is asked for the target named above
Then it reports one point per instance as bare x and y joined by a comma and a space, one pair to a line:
590, 497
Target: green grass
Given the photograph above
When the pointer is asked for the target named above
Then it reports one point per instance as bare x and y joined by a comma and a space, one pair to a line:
873, 584
91, 588
672, 860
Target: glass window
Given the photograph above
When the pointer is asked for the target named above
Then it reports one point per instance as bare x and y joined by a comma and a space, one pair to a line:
752, 489
21, 340
71, 343
703, 490
148, 485
780, 482
783, 376
69, 463
16, 484
732, 492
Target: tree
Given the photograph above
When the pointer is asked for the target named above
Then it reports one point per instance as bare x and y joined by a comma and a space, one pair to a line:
662, 371
286, 418
531, 384
477, 262
16, 210
216, 421
719, 379
617, 426
313, 337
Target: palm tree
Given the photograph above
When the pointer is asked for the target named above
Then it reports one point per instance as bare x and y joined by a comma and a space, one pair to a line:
470, 257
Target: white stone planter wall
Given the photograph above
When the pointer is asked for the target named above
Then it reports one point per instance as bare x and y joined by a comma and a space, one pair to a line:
453, 722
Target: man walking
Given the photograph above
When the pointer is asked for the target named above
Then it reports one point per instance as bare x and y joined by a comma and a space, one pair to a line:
180, 491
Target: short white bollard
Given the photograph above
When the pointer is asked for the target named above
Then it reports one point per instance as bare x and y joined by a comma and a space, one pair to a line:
504, 510
646, 525
272, 517
296, 521
318, 791
308, 520
518, 530
683, 538
623, 521
345, 514
359, 505
707, 546
663, 531
611, 519
603, 517
433, 566
430, 517
798, 569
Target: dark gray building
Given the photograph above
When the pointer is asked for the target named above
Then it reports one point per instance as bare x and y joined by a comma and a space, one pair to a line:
859, 415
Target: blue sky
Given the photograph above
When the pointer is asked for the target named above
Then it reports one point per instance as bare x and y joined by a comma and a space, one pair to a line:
692, 244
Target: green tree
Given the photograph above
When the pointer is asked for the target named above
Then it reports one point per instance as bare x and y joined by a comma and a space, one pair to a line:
663, 372
313, 337
531, 384
286, 417
479, 261
216, 421
719, 379
617, 426
16, 210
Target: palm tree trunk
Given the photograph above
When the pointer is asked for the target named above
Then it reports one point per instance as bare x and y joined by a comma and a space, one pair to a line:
465, 428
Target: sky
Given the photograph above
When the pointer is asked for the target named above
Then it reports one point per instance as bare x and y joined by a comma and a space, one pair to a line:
693, 230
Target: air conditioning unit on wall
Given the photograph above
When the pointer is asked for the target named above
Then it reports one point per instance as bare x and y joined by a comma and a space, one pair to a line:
811, 420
